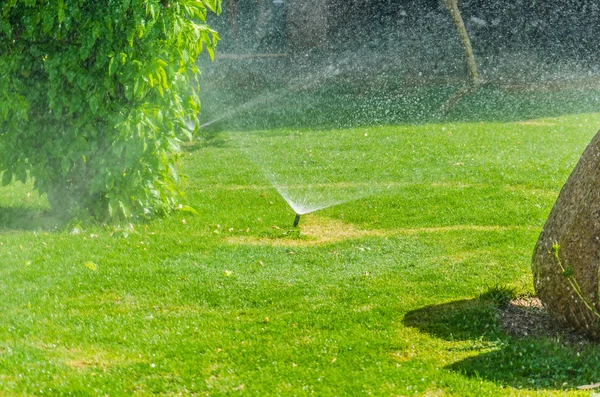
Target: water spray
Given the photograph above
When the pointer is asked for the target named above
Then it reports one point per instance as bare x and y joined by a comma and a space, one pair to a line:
297, 220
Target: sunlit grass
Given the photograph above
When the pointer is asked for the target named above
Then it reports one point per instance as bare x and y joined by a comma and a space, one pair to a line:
374, 296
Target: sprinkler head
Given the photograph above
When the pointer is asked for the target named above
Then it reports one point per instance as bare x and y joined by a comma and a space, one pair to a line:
297, 220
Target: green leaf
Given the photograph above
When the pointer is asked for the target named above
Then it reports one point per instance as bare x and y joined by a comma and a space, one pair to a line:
111, 208
137, 65
109, 181
97, 184
47, 21
94, 104
130, 37
7, 177
124, 210
21, 174
86, 49
187, 208
112, 66
6, 28
61, 11
568, 272
65, 166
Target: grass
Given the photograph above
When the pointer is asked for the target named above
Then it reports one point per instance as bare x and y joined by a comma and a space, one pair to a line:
241, 100
390, 294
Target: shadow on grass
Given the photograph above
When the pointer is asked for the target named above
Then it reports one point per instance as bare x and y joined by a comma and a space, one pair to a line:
29, 219
209, 138
533, 362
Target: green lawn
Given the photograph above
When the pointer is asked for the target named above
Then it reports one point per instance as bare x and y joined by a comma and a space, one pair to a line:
379, 295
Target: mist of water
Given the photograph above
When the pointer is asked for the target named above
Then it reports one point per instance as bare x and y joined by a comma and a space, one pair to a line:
301, 83
384, 64
305, 189
314, 170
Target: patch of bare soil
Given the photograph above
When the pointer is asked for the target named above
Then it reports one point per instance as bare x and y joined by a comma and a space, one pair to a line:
316, 231
527, 317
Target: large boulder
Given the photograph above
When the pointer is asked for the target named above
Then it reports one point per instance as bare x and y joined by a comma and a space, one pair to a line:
566, 259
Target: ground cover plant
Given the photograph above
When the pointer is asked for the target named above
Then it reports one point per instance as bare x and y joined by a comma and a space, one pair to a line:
392, 294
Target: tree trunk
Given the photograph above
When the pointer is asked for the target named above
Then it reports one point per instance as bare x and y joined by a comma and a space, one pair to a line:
308, 24
452, 6
474, 79
261, 21
232, 13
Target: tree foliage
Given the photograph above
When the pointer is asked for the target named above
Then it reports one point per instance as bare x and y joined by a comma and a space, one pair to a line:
96, 96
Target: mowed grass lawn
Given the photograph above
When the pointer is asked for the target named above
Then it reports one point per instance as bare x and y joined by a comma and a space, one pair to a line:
377, 296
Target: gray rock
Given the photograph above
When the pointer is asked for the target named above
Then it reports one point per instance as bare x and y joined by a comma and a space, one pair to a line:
566, 258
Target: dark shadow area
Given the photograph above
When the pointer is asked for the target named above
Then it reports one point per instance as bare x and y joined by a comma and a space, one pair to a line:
459, 320
28, 219
207, 139
537, 354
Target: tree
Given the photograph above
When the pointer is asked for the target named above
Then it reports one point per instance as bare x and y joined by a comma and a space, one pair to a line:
95, 97
465, 41
474, 79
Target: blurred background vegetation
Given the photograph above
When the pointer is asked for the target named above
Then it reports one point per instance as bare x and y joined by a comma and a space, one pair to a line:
359, 62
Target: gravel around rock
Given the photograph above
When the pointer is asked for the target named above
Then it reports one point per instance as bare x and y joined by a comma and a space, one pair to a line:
527, 317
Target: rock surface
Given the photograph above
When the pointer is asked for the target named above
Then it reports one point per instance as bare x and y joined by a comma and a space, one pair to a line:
566, 258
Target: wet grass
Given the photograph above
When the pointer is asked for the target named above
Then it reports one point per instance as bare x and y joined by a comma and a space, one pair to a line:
385, 295
367, 99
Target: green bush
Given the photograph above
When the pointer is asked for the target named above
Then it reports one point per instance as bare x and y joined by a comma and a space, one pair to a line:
96, 96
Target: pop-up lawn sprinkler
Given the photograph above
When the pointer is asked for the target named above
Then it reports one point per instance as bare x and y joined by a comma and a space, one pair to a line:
297, 220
